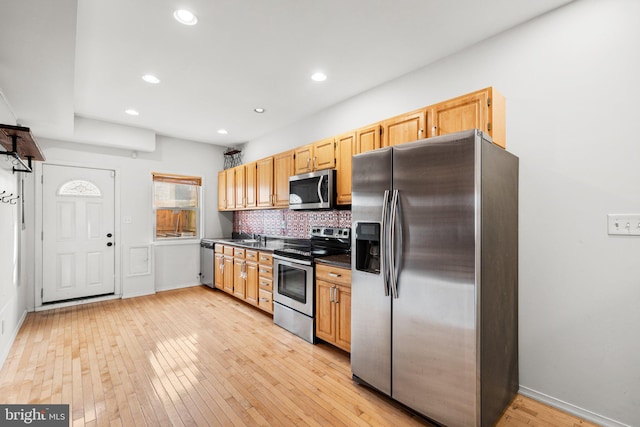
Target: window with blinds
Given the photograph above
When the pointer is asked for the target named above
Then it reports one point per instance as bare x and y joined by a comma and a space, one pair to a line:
176, 202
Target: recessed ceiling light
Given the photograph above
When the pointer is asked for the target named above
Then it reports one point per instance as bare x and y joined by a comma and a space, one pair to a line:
185, 17
259, 110
150, 78
222, 131
132, 112
319, 77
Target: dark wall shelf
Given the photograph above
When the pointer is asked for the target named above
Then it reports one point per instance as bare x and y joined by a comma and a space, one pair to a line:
20, 144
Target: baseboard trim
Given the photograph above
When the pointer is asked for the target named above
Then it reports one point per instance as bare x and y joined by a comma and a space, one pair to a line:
182, 286
571, 409
12, 340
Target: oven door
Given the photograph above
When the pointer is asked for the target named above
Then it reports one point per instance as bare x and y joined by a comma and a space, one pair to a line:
294, 284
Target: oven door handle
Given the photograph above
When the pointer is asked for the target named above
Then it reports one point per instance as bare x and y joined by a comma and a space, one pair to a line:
291, 262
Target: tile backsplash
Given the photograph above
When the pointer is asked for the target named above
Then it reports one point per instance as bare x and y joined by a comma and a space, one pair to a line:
285, 222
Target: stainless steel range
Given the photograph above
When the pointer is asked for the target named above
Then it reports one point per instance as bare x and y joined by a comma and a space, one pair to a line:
294, 274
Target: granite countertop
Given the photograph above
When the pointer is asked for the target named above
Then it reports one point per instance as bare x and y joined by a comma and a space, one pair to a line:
341, 260
270, 245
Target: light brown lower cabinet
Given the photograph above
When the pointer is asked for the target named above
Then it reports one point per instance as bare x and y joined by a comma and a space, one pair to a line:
333, 305
246, 274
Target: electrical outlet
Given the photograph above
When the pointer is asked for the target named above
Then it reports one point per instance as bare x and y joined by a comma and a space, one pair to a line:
624, 224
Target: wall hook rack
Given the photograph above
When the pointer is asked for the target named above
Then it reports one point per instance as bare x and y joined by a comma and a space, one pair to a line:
8, 198
27, 149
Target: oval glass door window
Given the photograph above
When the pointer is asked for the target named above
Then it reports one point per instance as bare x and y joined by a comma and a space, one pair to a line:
79, 187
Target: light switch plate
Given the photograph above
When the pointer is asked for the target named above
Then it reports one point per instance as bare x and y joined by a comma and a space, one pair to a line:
624, 224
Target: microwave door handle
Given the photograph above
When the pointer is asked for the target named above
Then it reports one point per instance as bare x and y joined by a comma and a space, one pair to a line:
319, 189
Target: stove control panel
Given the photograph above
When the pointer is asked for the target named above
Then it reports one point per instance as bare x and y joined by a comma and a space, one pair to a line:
334, 232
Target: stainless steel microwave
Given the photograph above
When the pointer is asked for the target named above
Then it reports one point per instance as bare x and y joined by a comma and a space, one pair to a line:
313, 190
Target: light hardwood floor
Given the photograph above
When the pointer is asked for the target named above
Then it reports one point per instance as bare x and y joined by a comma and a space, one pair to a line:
198, 357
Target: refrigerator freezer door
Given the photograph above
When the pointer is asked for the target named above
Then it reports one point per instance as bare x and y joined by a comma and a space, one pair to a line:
434, 318
370, 307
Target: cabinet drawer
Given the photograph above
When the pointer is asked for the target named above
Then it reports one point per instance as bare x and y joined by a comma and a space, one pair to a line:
219, 248
333, 274
250, 255
238, 252
228, 250
266, 284
265, 300
265, 258
265, 271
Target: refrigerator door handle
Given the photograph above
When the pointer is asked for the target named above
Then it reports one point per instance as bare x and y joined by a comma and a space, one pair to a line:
383, 243
392, 245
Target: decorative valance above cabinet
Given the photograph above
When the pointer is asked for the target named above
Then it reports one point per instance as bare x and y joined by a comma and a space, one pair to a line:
20, 144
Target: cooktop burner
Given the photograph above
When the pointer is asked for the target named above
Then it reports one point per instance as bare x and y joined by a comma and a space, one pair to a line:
324, 241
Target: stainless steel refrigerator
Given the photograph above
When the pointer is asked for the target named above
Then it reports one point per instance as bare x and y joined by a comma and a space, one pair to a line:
435, 276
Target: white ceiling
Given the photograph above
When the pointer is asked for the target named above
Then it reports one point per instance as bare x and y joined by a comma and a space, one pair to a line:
66, 58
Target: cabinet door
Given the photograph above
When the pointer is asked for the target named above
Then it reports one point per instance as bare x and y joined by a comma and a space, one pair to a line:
405, 128
303, 159
239, 278
282, 170
367, 139
228, 274
231, 188
222, 191
264, 182
343, 317
325, 317
251, 283
324, 154
250, 185
344, 152
462, 113
240, 186
219, 271
484, 109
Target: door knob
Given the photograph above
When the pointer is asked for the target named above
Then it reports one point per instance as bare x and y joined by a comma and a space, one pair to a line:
109, 234
110, 244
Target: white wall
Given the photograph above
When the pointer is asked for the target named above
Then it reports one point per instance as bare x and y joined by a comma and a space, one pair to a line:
135, 200
12, 290
571, 80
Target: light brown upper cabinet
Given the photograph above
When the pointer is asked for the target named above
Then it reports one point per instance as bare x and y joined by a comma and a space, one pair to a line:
264, 182
345, 149
230, 183
240, 188
484, 109
324, 154
404, 128
282, 170
367, 139
250, 185
222, 191
317, 156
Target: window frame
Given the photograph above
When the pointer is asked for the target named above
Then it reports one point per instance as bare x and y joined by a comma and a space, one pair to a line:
184, 180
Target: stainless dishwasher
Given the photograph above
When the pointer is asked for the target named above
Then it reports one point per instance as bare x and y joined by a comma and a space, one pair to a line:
206, 262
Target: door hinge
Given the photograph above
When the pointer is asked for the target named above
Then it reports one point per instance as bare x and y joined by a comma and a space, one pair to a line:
42, 235
41, 293
41, 179
489, 127
488, 102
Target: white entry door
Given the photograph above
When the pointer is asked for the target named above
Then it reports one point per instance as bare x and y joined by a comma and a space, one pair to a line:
78, 232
